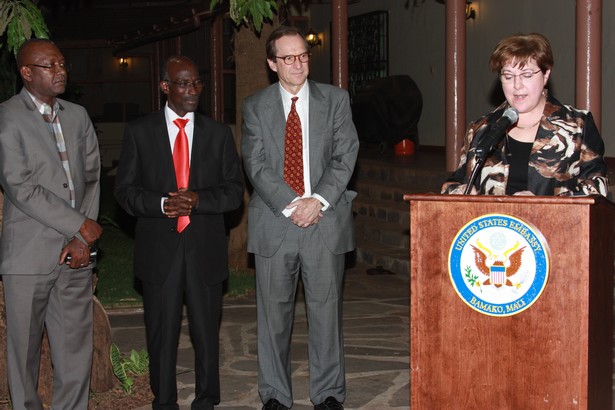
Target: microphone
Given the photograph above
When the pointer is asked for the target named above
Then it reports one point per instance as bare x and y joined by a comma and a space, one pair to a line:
496, 133
490, 140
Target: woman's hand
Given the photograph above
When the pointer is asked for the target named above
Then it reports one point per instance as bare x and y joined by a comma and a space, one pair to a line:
524, 193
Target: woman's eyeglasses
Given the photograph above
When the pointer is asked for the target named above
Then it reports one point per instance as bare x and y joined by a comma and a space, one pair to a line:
507, 78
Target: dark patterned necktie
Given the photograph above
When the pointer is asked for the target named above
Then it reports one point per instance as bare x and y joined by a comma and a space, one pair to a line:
181, 161
293, 151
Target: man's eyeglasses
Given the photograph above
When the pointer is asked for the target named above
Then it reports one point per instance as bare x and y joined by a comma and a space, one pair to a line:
290, 60
197, 84
62, 66
507, 78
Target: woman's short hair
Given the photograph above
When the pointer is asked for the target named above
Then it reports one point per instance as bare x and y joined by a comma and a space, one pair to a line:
520, 49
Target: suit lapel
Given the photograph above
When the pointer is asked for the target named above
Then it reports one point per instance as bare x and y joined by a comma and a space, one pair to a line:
199, 146
34, 115
275, 120
317, 115
160, 143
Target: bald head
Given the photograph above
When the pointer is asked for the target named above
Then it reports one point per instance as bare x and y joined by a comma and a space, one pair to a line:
42, 69
181, 84
31, 46
175, 61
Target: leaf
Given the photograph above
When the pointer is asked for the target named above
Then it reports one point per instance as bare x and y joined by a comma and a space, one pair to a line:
117, 364
36, 20
252, 12
213, 4
137, 363
258, 22
134, 356
12, 35
5, 18
143, 362
26, 27
127, 385
20, 19
31, 7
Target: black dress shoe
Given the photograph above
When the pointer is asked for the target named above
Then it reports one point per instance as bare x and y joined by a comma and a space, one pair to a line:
330, 403
273, 404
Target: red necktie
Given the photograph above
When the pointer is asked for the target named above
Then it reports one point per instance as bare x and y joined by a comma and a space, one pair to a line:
293, 151
181, 161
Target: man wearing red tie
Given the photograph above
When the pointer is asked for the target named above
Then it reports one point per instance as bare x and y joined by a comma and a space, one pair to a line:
178, 174
299, 148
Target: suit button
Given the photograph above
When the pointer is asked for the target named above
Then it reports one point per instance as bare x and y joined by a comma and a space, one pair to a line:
65, 185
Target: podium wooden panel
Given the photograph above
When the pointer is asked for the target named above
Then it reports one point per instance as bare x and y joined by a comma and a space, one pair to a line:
556, 354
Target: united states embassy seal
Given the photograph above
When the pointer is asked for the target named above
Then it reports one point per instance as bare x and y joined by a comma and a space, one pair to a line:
498, 264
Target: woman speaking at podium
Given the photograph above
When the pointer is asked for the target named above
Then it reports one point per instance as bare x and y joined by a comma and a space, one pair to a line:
531, 144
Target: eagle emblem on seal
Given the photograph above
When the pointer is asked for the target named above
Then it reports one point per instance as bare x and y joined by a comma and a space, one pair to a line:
497, 268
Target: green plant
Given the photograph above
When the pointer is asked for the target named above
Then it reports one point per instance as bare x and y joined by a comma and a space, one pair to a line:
136, 364
251, 12
116, 284
20, 19
239, 283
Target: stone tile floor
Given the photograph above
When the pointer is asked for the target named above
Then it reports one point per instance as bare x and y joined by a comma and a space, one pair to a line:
377, 347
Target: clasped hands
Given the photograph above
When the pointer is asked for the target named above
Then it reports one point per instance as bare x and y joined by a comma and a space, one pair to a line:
307, 212
180, 203
79, 251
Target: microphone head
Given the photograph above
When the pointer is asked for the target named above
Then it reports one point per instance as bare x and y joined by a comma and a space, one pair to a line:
512, 114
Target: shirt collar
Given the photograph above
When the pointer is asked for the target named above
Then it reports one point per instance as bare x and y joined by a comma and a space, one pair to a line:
303, 93
43, 107
172, 115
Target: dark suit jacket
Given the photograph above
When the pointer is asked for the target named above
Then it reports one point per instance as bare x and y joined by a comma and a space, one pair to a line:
38, 218
145, 174
333, 145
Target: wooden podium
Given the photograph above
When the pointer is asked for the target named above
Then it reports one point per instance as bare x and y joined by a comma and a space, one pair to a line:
555, 354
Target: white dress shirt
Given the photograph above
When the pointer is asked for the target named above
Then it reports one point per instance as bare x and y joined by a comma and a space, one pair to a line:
173, 130
303, 110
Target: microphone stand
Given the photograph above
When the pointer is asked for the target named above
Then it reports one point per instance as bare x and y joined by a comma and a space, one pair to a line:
480, 155
491, 139
477, 167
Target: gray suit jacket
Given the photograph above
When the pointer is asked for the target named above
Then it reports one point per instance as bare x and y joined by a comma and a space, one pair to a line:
38, 218
333, 145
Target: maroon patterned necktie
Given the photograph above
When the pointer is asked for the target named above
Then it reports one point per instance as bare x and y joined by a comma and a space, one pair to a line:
181, 161
293, 151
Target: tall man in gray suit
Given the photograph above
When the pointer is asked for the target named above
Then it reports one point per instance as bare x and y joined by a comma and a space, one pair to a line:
299, 149
49, 170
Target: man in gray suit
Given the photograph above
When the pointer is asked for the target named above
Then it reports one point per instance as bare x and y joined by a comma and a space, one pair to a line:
49, 170
300, 218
